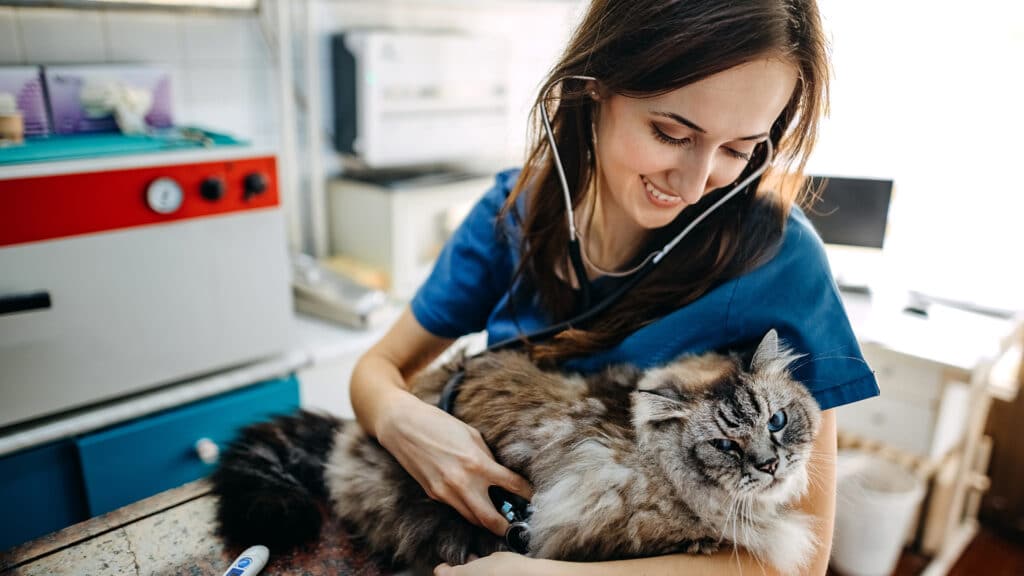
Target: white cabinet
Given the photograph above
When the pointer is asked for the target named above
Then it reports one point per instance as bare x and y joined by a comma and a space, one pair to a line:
922, 409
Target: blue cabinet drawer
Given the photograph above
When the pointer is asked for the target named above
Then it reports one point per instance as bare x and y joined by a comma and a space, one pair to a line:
132, 461
40, 491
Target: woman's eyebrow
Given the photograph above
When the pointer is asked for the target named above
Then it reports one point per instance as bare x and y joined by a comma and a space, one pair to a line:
687, 123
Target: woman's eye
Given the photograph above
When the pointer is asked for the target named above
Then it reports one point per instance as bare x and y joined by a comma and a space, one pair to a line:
663, 137
725, 445
777, 421
737, 154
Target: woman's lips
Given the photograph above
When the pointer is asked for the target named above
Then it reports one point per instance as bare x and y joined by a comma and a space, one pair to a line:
658, 196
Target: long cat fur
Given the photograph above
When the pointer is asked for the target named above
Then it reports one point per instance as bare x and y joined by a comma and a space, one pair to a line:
622, 464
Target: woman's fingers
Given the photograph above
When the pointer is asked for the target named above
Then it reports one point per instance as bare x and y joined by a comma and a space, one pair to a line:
509, 480
455, 500
484, 509
498, 474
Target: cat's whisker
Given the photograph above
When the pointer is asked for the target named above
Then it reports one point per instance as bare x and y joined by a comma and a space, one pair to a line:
728, 514
824, 355
813, 473
815, 482
735, 542
748, 527
811, 360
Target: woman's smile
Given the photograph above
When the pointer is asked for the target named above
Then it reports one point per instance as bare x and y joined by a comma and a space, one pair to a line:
658, 196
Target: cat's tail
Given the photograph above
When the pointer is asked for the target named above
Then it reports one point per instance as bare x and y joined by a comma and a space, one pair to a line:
270, 481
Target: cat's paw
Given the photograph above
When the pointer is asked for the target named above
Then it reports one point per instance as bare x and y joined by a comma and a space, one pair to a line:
701, 546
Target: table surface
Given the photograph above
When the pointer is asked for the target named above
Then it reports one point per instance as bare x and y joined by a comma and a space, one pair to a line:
172, 533
954, 338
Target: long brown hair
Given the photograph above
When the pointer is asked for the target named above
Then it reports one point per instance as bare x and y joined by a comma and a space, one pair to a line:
643, 48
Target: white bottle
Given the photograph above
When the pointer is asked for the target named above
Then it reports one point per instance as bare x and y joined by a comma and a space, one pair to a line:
249, 562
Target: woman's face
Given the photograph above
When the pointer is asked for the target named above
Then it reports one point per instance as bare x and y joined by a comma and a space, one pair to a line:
658, 155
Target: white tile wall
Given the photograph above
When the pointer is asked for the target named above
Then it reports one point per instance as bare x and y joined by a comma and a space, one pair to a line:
223, 73
144, 37
10, 43
223, 40
216, 96
53, 36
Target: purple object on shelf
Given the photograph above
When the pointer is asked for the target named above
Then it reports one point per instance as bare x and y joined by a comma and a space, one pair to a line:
64, 86
25, 83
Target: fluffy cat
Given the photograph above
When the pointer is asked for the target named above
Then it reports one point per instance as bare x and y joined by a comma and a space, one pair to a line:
705, 451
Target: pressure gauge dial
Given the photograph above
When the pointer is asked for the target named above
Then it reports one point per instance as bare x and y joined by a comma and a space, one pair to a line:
164, 196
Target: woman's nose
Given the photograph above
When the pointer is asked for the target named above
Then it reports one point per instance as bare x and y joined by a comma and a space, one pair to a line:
691, 176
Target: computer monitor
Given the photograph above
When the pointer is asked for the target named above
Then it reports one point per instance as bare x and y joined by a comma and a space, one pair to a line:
851, 211
851, 216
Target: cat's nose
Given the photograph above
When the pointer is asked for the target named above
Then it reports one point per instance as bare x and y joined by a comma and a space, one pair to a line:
768, 466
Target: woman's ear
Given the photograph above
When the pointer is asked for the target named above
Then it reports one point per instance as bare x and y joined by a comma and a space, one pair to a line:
593, 90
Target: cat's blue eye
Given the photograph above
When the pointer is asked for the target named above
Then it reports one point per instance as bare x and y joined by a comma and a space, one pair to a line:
725, 445
777, 421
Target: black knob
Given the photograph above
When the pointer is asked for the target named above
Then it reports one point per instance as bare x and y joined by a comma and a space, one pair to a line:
254, 184
212, 188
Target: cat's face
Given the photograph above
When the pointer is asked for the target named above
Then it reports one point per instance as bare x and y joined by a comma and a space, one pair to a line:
743, 428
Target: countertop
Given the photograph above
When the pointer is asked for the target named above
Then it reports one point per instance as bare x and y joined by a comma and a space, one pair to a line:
172, 533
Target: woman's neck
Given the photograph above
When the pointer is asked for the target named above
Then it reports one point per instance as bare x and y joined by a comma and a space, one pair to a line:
610, 239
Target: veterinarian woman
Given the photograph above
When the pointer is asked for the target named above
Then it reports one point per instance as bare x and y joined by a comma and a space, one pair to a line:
677, 106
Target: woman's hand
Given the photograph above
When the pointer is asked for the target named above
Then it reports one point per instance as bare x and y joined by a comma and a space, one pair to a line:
449, 459
497, 564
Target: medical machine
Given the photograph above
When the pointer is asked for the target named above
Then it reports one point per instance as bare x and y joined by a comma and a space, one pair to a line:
415, 98
120, 274
398, 224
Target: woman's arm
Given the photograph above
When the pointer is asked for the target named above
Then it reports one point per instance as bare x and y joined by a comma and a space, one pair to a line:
819, 502
380, 377
448, 458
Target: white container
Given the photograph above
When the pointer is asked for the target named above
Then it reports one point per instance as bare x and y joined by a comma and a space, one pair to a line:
400, 227
876, 502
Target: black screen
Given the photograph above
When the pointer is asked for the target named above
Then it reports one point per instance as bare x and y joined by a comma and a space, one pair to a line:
850, 211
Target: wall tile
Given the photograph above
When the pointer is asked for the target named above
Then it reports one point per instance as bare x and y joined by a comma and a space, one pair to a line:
223, 40
52, 36
263, 99
10, 44
179, 92
216, 99
144, 37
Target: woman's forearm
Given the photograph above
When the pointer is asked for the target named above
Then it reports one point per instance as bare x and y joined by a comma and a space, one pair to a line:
376, 386
674, 565
819, 502
379, 381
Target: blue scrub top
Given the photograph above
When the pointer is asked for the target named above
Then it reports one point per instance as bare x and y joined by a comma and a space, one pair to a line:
467, 291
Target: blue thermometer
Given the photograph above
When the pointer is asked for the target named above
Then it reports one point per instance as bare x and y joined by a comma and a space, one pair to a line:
249, 562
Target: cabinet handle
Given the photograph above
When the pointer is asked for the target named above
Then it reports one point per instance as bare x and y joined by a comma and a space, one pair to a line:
207, 450
25, 302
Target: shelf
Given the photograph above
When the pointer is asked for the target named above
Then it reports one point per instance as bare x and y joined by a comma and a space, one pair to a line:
168, 5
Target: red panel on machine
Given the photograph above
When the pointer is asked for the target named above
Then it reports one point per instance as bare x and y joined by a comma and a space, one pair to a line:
41, 208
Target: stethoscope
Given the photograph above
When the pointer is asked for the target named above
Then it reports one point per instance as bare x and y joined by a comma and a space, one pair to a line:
575, 257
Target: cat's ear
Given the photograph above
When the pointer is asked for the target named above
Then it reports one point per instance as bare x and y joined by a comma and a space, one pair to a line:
767, 351
772, 354
668, 392
659, 398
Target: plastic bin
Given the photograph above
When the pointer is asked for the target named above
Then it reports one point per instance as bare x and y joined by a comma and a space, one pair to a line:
876, 502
